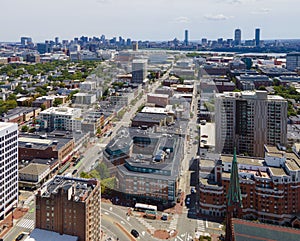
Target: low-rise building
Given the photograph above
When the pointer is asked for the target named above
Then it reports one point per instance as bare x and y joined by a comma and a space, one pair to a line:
84, 99
33, 175
45, 147
159, 100
61, 118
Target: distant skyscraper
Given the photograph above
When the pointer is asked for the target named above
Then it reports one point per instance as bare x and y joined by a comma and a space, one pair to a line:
8, 168
128, 42
257, 37
237, 37
135, 46
56, 40
186, 37
26, 40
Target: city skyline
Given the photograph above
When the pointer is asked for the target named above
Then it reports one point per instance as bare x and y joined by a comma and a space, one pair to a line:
211, 19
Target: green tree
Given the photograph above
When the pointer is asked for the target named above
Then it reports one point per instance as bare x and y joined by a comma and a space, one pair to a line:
43, 107
57, 102
32, 130
103, 171
24, 128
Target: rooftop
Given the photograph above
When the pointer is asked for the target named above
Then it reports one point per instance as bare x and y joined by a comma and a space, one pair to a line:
45, 235
243, 160
60, 111
34, 169
4, 125
80, 187
247, 230
42, 141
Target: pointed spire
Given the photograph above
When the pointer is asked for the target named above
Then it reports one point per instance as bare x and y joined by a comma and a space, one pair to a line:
234, 195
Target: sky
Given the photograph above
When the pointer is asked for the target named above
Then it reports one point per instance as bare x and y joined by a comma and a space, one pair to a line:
155, 20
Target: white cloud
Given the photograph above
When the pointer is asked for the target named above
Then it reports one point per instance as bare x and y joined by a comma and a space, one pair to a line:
182, 20
217, 17
262, 11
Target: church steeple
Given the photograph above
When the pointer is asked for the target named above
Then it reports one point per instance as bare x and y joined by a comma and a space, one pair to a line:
234, 195
234, 198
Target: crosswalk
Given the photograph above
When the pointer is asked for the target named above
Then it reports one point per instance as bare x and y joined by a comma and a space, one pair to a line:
146, 224
200, 225
173, 223
26, 223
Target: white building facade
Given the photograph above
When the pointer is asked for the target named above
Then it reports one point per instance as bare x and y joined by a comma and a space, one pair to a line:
8, 168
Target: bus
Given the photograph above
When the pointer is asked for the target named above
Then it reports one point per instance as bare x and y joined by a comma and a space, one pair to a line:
141, 207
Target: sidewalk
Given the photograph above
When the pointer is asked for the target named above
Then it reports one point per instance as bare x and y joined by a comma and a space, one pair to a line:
6, 224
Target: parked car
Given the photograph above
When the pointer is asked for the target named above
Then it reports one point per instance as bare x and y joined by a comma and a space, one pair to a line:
193, 190
204, 136
135, 233
20, 237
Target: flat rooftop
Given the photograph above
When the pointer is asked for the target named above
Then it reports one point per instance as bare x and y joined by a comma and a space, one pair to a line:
34, 169
4, 125
45, 235
81, 188
39, 142
243, 160
60, 111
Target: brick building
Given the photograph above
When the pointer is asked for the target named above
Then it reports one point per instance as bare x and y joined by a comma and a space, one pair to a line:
159, 100
269, 186
45, 147
70, 206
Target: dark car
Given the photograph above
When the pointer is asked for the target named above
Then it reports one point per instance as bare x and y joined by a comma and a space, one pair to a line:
135, 233
74, 172
20, 236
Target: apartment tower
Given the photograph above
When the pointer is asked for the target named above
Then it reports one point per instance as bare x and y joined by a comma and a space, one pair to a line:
249, 120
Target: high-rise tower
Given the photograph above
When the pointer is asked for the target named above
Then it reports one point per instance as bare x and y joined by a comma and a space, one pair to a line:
257, 37
237, 37
186, 37
8, 168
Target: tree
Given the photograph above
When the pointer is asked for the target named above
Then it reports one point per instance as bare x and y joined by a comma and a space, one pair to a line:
32, 130
43, 107
262, 87
57, 102
103, 171
24, 128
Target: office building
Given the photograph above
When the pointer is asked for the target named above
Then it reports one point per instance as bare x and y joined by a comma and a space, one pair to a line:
139, 70
135, 46
293, 61
71, 206
60, 118
8, 168
26, 40
249, 119
186, 37
257, 37
147, 164
237, 37
57, 40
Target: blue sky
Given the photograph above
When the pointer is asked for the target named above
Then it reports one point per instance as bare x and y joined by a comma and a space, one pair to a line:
151, 19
